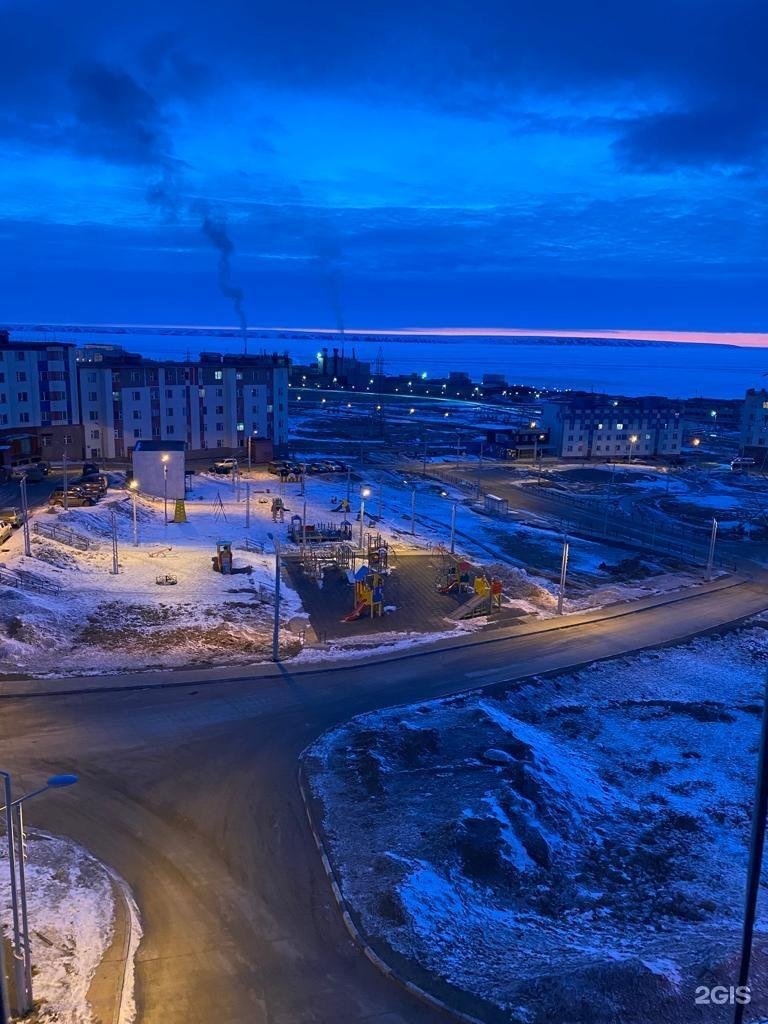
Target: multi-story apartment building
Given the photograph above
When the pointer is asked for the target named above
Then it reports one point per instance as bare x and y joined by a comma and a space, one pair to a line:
598, 427
754, 421
39, 408
219, 401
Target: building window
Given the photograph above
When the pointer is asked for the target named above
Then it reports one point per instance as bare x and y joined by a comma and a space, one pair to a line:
137, 433
219, 427
219, 410
93, 415
21, 356
22, 396
218, 375
170, 429
136, 396
136, 414
21, 375
46, 440
92, 378
2, 378
168, 393
92, 396
220, 443
169, 413
23, 417
95, 435
219, 392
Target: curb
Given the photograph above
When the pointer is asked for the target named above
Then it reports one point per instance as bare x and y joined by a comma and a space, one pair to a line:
131, 936
355, 934
245, 673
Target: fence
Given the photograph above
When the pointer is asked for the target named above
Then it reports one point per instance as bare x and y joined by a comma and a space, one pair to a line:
28, 581
64, 535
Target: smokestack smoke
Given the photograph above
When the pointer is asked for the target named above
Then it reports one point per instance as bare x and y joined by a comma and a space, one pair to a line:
215, 230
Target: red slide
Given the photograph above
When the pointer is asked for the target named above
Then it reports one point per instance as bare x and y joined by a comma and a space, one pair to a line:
357, 612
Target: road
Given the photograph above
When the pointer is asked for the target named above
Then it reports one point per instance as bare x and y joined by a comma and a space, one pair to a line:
190, 792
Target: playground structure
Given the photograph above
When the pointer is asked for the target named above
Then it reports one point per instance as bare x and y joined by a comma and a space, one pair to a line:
378, 553
318, 533
222, 560
456, 576
369, 594
278, 510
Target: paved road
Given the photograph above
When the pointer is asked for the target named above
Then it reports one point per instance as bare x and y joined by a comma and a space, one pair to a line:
190, 792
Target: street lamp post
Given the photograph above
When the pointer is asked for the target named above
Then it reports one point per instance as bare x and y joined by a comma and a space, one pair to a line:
164, 461
133, 487
15, 836
413, 511
276, 623
453, 527
632, 441
113, 528
65, 503
365, 492
25, 515
711, 555
563, 571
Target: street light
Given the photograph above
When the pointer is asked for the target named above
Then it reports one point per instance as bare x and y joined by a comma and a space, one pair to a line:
22, 954
133, 487
276, 623
632, 441
365, 492
164, 461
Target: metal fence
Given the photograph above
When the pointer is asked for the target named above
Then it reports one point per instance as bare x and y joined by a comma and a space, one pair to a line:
64, 535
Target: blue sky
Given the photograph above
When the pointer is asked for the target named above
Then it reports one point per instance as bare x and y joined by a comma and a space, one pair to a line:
555, 164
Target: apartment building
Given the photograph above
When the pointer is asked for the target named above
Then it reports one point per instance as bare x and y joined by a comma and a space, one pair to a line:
754, 422
218, 401
586, 426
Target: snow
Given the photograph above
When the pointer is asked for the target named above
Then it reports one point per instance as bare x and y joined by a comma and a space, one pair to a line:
600, 854
71, 905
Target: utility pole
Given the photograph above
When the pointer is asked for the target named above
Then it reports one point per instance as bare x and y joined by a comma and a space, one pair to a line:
25, 515
134, 489
424, 460
248, 506
276, 624
304, 528
563, 571
413, 511
113, 524
711, 556
23, 1005
453, 527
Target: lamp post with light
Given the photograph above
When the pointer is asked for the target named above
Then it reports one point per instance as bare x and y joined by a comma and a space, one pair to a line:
365, 492
133, 487
22, 957
632, 442
276, 623
164, 461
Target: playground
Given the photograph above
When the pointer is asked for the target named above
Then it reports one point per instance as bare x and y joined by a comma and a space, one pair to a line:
400, 592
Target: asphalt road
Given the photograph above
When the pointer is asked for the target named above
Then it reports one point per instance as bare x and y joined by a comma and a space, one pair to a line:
191, 793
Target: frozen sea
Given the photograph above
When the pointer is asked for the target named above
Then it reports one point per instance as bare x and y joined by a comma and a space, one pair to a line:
676, 369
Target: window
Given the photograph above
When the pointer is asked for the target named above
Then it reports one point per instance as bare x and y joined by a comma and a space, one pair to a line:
94, 453
619, 426
137, 433
92, 396
136, 414
21, 356
46, 440
4, 419
94, 435
219, 392
2, 378
58, 396
3, 398
219, 443
93, 415
218, 375
21, 375
23, 417
170, 429
59, 416
22, 396
168, 393
169, 413
219, 427
219, 410
92, 378
136, 396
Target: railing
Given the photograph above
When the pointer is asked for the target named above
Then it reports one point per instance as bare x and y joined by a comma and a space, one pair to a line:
28, 581
64, 535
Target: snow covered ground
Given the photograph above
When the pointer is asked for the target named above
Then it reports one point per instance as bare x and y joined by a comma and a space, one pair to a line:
71, 901
573, 848
68, 613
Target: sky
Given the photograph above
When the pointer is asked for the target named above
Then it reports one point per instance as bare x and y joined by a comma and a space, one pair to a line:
593, 165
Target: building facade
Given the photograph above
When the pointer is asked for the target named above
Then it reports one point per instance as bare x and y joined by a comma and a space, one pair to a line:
218, 401
603, 428
754, 421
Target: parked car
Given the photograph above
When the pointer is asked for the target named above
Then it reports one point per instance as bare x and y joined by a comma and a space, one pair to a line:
32, 470
89, 468
5, 531
95, 482
12, 515
76, 497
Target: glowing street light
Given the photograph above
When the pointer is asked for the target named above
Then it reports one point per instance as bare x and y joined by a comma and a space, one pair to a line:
632, 442
164, 459
133, 487
365, 492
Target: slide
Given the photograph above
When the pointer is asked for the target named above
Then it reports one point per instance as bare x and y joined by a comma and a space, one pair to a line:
449, 587
357, 612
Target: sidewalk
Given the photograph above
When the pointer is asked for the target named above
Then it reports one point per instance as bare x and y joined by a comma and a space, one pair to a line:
109, 993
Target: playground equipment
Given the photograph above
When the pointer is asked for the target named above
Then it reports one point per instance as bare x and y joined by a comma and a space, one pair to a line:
369, 595
486, 599
454, 578
222, 560
343, 506
319, 533
378, 553
278, 510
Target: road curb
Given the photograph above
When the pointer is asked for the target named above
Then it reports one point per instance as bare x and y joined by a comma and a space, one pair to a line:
355, 934
132, 933
246, 673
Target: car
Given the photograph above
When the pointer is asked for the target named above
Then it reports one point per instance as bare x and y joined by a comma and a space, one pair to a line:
228, 464
12, 515
742, 462
437, 489
76, 498
5, 531
89, 468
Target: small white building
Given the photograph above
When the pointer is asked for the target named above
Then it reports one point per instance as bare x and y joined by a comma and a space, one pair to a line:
159, 468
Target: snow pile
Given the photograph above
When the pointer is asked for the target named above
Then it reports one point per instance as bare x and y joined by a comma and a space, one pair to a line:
572, 842
71, 901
